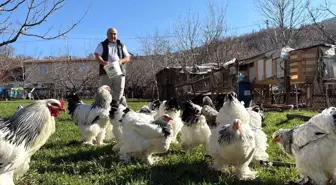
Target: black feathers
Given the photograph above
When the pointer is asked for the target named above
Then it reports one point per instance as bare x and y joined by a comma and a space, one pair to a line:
95, 119
126, 110
231, 96
166, 128
114, 108
171, 104
145, 110
225, 135
155, 104
73, 102
191, 113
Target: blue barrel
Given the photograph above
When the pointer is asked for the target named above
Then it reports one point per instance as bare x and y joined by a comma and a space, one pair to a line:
245, 92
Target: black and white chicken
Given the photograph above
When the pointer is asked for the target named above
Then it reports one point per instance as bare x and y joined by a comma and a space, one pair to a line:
23, 134
110, 131
142, 137
92, 119
312, 145
116, 113
171, 108
150, 109
233, 144
195, 130
233, 109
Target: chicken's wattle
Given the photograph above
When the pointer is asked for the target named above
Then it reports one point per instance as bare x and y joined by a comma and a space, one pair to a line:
54, 112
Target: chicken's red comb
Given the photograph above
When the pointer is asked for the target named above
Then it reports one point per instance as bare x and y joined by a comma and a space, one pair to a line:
62, 103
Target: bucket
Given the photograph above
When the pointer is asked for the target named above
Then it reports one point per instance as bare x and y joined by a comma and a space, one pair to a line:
113, 69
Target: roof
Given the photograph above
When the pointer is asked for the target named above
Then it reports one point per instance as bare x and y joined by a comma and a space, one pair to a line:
52, 60
275, 53
317, 45
196, 69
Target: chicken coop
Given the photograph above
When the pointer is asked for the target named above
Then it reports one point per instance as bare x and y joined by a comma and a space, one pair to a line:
264, 71
194, 82
313, 72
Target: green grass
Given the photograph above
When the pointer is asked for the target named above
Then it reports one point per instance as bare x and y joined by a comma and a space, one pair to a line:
62, 160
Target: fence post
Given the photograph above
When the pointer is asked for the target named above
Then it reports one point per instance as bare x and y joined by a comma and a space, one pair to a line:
327, 96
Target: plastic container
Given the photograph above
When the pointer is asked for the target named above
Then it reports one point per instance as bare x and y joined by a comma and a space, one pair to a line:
113, 69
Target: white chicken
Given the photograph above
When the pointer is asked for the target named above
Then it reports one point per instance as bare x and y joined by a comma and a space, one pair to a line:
142, 137
116, 114
233, 143
233, 109
195, 130
312, 145
92, 119
23, 134
172, 108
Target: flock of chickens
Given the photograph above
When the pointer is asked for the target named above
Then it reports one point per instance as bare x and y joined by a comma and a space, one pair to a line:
233, 136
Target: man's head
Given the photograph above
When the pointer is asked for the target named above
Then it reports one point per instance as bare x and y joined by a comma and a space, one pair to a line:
112, 35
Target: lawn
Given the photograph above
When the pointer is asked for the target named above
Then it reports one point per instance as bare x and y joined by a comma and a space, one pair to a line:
62, 160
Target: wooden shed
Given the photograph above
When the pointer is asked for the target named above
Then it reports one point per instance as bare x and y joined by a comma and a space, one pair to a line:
306, 62
191, 81
266, 68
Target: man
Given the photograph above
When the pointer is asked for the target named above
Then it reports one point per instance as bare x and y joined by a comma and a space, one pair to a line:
112, 50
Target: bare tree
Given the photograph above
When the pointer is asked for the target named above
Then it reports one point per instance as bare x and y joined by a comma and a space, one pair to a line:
74, 76
7, 64
286, 16
157, 49
7, 51
214, 31
187, 38
21, 73
141, 77
37, 13
321, 12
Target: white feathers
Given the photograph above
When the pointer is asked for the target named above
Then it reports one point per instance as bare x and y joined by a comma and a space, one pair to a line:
312, 144
171, 108
231, 110
22, 135
196, 134
92, 119
233, 146
195, 130
140, 137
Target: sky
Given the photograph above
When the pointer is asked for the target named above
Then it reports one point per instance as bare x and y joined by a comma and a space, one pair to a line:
132, 18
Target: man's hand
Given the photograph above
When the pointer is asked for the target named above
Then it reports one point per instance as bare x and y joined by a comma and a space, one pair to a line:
104, 63
100, 59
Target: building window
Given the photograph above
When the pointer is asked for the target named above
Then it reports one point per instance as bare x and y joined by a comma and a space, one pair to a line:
43, 69
83, 68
